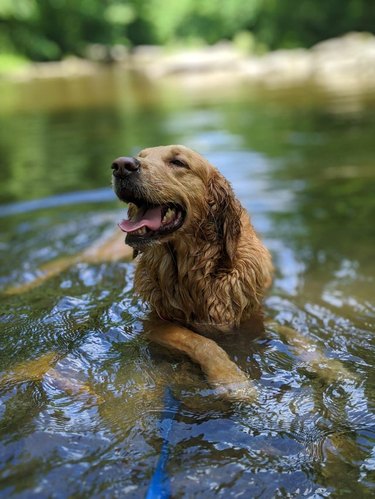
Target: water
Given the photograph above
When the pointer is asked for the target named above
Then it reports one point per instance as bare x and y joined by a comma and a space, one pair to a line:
81, 390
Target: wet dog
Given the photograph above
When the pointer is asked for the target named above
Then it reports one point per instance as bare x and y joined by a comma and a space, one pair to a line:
200, 265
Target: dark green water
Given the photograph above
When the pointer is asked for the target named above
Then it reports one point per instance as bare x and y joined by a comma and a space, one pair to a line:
303, 165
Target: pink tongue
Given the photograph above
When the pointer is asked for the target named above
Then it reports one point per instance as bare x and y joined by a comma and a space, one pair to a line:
150, 218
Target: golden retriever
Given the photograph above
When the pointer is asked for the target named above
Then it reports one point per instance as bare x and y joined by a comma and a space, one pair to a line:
200, 265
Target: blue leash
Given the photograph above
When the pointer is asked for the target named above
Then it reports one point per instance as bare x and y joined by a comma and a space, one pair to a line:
160, 486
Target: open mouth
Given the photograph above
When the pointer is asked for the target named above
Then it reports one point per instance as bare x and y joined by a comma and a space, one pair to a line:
150, 222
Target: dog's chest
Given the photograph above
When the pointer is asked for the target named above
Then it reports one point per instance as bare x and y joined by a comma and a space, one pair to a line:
172, 286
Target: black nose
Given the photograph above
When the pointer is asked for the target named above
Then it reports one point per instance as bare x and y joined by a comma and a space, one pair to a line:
122, 167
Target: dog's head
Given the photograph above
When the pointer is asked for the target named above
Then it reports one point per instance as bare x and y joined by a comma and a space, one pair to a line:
173, 190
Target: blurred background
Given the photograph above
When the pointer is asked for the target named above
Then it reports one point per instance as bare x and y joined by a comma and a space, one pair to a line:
89, 70
47, 30
280, 96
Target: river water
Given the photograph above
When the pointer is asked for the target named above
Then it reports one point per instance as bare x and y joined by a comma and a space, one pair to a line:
82, 403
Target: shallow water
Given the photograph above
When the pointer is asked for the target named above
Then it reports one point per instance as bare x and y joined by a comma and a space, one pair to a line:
81, 390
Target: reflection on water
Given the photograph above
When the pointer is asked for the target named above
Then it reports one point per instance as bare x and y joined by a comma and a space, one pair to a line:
81, 390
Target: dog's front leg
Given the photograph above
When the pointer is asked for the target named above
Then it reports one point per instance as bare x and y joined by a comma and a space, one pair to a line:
221, 372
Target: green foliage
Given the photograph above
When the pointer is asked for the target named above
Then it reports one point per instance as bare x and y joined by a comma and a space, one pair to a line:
10, 62
290, 23
209, 20
51, 29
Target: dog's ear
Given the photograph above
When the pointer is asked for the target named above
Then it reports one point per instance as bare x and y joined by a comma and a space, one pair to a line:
224, 217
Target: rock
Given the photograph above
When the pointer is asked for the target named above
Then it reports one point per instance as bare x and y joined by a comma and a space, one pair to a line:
345, 64
156, 64
279, 68
68, 68
339, 65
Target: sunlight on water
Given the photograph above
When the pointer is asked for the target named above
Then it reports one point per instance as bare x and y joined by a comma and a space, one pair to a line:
81, 390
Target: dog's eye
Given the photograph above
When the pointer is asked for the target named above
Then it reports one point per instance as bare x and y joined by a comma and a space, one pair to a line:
178, 162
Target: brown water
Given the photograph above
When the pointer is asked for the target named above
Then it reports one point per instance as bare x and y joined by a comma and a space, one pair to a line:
90, 426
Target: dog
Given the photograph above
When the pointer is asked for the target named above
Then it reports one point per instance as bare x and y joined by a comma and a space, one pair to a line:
201, 267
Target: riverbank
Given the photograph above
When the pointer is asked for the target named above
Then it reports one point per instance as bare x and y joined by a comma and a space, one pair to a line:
339, 65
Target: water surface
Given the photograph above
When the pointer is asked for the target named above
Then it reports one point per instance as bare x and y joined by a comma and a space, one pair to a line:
83, 417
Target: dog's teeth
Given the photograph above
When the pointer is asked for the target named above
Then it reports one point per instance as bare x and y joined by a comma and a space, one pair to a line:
140, 231
168, 217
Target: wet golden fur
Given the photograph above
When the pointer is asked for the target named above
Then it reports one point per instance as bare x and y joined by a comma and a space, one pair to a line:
211, 274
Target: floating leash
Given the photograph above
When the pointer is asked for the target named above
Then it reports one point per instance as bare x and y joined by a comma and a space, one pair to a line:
160, 486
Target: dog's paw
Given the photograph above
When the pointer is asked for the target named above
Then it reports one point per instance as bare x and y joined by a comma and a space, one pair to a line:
230, 382
243, 391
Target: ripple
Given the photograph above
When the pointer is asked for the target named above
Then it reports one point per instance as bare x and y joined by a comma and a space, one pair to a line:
94, 196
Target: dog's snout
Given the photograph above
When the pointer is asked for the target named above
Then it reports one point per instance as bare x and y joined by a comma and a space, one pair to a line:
124, 166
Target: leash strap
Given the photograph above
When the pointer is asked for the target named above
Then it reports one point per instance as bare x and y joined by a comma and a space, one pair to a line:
160, 487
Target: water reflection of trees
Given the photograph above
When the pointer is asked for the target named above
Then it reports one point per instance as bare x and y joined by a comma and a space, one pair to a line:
70, 148
326, 161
